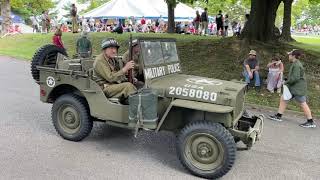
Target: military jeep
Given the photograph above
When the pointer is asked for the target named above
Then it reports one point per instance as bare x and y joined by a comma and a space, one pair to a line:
207, 115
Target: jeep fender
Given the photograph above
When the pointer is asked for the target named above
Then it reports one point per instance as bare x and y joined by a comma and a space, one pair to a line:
205, 111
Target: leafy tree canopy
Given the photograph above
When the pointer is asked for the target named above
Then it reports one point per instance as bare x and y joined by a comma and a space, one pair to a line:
29, 7
93, 4
236, 9
303, 12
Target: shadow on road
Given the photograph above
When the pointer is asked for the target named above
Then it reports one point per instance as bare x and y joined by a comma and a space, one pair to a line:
160, 146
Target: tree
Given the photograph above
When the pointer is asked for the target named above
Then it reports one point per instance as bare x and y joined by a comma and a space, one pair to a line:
261, 23
29, 7
311, 14
236, 9
93, 4
5, 13
25, 7
290, 14
286, 29
171, 4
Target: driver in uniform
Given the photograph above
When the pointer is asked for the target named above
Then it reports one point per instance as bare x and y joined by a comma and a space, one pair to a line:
110, 73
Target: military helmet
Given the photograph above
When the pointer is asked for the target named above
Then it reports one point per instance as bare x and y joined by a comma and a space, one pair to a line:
109, 42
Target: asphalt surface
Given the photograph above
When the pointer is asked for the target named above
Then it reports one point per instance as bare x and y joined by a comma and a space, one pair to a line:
31, 149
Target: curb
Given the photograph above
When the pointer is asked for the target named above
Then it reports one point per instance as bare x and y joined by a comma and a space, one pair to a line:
296, 113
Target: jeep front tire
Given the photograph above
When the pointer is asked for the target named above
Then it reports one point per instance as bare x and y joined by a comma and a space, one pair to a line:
206, 149
71, 117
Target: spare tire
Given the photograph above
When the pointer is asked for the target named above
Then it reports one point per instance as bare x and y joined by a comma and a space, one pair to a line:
45, 56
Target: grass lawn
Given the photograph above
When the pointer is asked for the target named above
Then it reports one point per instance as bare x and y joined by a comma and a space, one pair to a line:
24, 46
200, 55
308, 43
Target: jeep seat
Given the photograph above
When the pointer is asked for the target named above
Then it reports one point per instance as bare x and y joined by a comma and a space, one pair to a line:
87, 64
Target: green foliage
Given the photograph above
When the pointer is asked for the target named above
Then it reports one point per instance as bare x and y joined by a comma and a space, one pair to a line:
26, 8
236, 9
303, 12
311, 14
297, 9
93, 4
172, 2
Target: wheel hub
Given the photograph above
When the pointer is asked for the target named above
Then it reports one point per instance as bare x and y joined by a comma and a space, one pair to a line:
204, 151
69, 119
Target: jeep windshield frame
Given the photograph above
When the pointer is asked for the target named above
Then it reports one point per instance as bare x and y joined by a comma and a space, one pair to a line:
158, 57
157, 52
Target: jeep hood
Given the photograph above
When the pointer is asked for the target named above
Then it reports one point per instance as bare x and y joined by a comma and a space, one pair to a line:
195, 88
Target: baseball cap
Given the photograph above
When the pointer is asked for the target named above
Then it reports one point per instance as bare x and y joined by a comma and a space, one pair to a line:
296, 53
252, 52
292, 51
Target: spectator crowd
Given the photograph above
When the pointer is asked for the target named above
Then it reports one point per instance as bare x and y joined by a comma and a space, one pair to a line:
201, 24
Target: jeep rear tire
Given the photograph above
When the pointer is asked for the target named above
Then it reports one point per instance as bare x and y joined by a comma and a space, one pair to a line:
71, 117
206, 149
45, 56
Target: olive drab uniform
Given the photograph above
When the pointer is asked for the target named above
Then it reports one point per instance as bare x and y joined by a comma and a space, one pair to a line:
137, 70
73, 14
84, 47
110, 77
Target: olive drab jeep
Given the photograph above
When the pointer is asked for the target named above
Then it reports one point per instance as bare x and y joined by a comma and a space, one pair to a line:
207, 115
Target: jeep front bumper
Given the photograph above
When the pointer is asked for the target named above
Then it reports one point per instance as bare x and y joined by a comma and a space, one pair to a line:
248, 129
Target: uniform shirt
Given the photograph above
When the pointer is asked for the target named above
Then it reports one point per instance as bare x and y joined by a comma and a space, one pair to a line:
296, 80
253, 63
137, 70
83, 45
73, 11
107, 71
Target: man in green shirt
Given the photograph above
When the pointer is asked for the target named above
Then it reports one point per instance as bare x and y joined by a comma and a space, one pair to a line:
298, 88
84, 47
109, 72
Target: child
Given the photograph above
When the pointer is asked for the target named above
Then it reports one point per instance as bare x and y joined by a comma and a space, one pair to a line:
275, 75
56, 39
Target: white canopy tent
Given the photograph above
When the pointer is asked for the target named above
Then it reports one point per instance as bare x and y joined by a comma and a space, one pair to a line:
139, 8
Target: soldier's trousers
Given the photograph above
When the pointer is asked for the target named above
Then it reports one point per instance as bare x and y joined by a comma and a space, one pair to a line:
120, 90
74, 24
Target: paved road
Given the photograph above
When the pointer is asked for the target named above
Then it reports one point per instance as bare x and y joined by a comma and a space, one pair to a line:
31, 149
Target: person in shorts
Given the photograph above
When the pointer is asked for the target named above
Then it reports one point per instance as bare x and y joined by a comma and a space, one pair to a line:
298, 88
